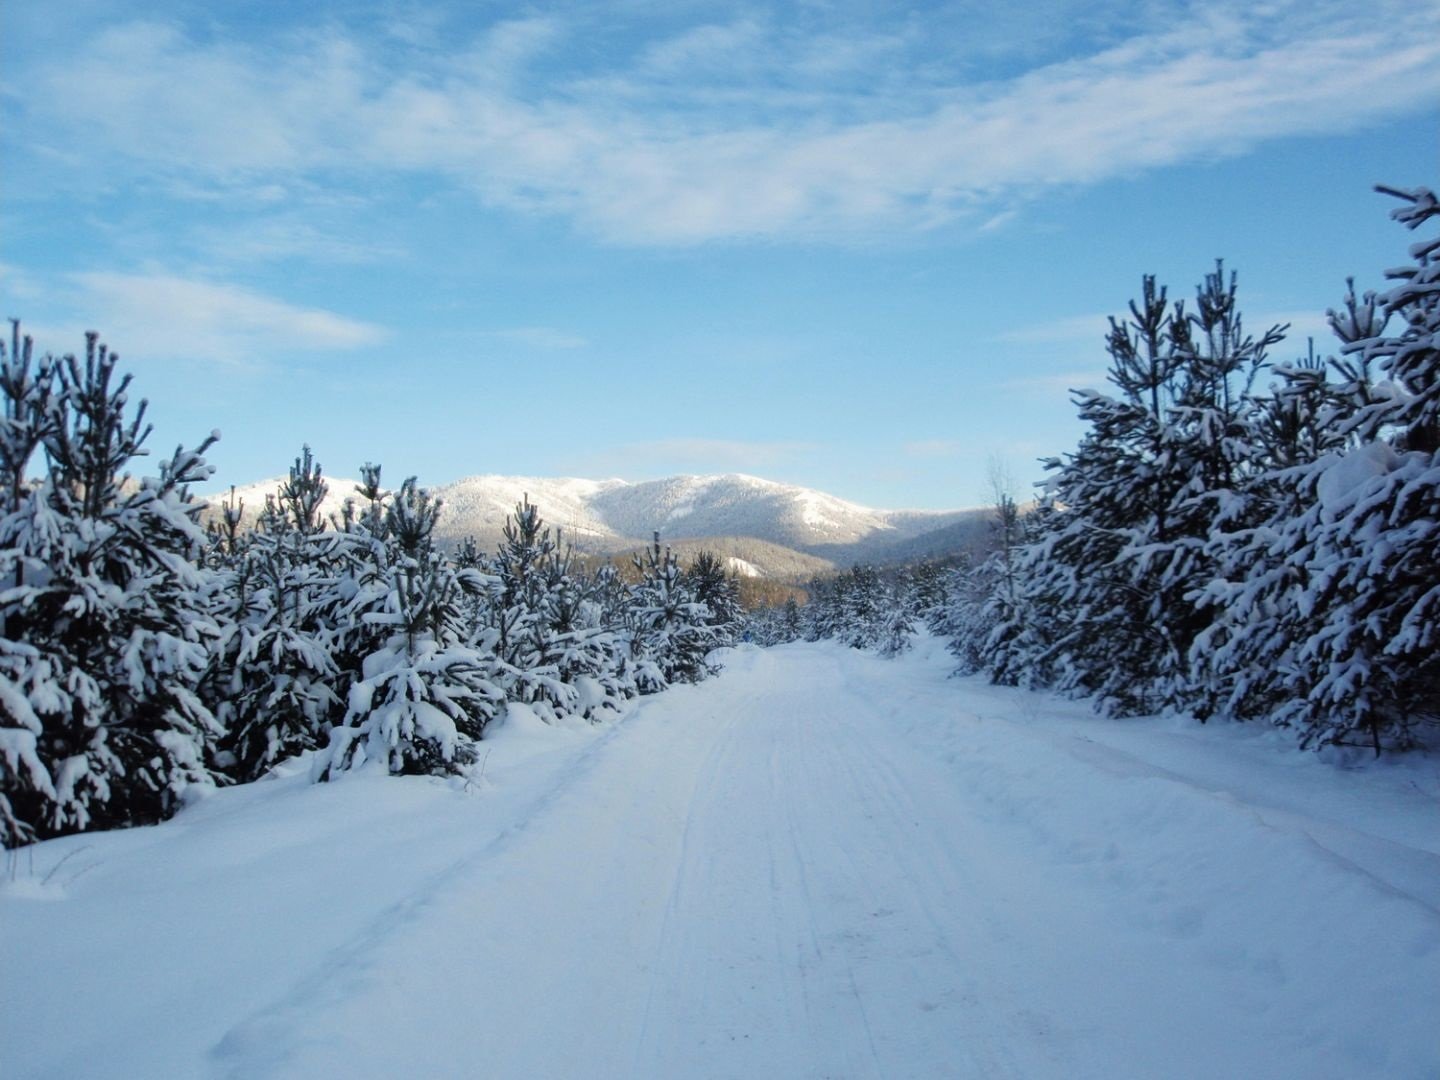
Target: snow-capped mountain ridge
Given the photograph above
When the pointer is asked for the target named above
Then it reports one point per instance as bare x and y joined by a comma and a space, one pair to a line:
616, 515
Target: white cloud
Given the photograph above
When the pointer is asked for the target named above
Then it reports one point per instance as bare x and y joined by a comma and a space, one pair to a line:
707, 48
157, 315
637, 156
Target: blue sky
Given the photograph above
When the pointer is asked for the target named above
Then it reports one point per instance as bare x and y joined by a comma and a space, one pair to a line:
843, 245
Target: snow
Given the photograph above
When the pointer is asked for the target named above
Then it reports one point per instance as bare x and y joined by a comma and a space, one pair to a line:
736, 565
480, 504
253, 495
1346, 481
619, 515
818, 864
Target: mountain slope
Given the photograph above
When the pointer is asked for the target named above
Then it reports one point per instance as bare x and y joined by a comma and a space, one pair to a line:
799, 527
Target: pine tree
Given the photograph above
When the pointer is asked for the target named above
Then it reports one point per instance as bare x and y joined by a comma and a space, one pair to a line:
1107, 607
780, 625
1253, 603
104, 620
526, 569
670, 631
998, 617
719, 592
927, 593
424, 696
863, 606
27, 675
897, 631
1334, 630
790, 621
274, 676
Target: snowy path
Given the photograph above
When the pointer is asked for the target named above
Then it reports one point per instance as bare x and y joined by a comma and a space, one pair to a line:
819, 865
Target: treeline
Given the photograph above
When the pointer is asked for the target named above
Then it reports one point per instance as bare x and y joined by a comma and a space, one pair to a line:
1222, 550
864, 607
143, 655
750, 592
1219, 547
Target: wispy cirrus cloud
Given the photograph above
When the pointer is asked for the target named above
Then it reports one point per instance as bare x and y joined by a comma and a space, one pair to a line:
167, 317
288, 236
779, 138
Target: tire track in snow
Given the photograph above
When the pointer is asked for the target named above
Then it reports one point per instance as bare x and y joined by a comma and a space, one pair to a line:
681, 884
263, 1042
944, 906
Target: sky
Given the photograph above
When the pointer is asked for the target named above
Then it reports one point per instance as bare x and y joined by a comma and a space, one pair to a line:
853, 246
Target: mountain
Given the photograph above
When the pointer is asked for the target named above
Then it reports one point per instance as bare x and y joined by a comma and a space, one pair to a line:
763, 528
251, 497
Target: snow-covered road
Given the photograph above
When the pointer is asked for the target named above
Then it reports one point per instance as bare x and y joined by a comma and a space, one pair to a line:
821, 864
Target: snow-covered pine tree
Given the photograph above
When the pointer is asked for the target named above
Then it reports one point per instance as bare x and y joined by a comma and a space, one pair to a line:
1116, 492
762, 626
1253, 603
927, 592
468, 555
897, 629
588, 654
853, 607
31, 410
608, 606
791, 626
670, 631
864, 603
275, 674
1219, 446
424, 695
1109, 582
997, 619
523, 612
104, 619
367, 507
549, 625
225, 531
719, 592
821, 616
780, 625
1359, 565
